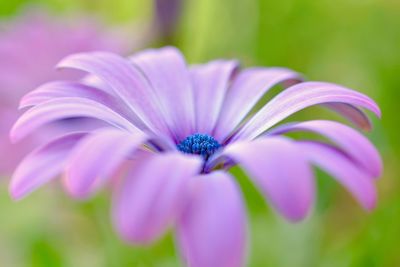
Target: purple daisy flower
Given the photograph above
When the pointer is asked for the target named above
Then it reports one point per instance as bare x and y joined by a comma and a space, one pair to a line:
177, 129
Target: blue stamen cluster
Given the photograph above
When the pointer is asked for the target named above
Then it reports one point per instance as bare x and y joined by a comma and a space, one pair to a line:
200, 144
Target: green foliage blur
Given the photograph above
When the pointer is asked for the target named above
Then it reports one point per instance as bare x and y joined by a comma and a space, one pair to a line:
351, 42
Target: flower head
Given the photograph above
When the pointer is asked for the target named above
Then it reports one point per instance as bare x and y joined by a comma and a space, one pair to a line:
30, 46
177, 129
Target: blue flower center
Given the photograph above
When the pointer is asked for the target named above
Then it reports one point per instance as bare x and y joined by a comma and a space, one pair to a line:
200, 144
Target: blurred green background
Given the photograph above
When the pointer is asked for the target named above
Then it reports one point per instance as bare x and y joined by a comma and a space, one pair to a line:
351, 42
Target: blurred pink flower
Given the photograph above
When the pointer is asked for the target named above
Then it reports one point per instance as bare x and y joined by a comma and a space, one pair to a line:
178, 129
30, 46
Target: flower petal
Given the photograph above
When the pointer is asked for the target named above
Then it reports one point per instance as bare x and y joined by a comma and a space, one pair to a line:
149, 198
349, 140
353, 114
125, 80
299, 97
343, 170
62, 108
168, 74
97, 157
280, 169
246, 90
58, 89
210, 83
42, 165
212, 229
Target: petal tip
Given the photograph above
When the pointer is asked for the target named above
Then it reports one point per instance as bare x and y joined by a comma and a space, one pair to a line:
297, 216
77, 194
13, 136
67, 61
370, 204
295, 219
64, 63
15, 193
75, 191
26, 101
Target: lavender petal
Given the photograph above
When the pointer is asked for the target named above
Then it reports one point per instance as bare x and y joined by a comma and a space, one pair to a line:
94, 159
211, 82
149, 199
63, 108
355, 180
212, 229
297, 98
126, 81
42, 165
349, 140
281, 171
246, 90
